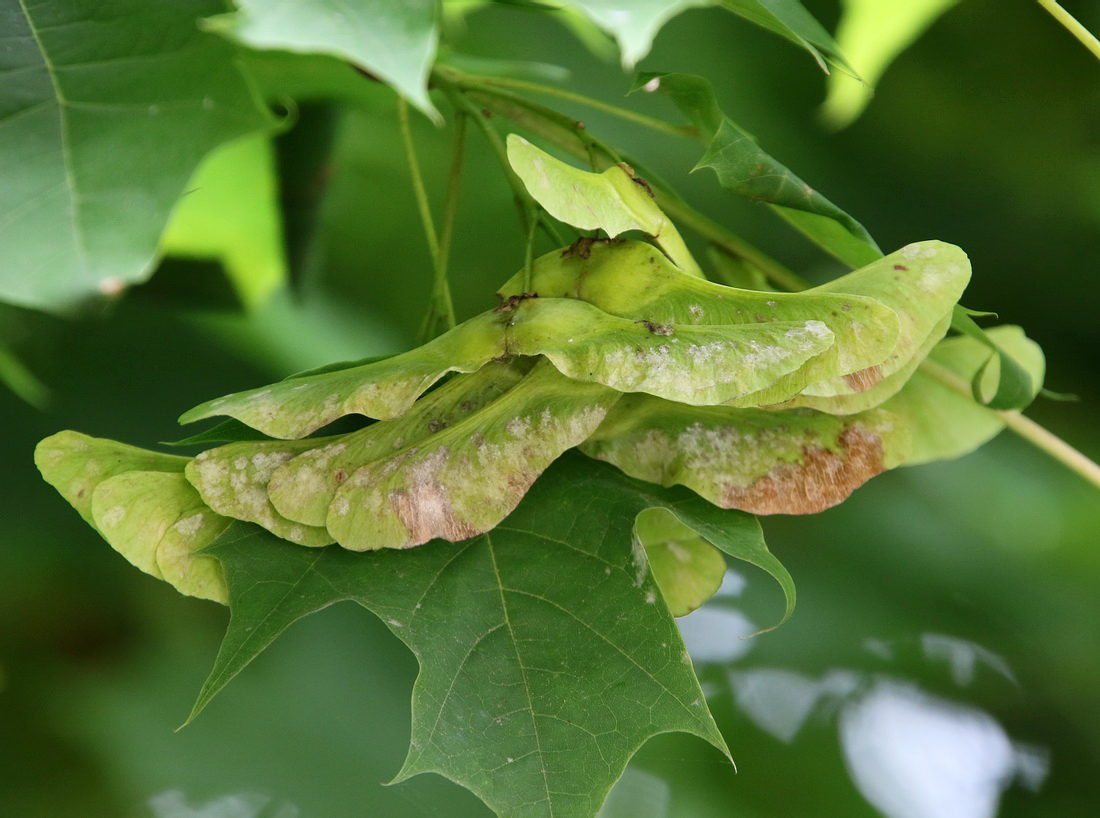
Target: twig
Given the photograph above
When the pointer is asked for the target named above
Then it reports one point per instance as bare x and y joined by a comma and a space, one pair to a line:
1087, 38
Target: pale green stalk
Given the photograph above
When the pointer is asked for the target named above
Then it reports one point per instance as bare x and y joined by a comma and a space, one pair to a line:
1026, 428
1087, 38
417, 180
444, 306
622, 113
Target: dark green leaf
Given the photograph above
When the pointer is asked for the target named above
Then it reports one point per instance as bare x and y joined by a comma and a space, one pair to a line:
789, 19
106, 109
547, 634
743, 167
746, 169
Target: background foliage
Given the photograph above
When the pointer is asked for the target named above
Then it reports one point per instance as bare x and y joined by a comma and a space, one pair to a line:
972, 583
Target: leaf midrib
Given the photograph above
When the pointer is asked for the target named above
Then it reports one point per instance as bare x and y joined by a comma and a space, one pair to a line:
523, 674
63, 134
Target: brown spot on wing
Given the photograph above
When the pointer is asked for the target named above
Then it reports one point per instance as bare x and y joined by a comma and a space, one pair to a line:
864, 379
821, 479
425, 511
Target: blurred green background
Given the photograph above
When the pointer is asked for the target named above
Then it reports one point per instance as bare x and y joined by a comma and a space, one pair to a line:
945, 655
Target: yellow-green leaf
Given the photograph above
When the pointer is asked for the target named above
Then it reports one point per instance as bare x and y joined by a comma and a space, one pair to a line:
230, 214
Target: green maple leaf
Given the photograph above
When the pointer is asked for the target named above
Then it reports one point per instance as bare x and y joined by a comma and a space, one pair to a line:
547, 653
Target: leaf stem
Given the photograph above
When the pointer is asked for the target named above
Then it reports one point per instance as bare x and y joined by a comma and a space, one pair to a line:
529, 253
1029, 430
417, 180
1086, 37
527, 206
443, 305
475, 82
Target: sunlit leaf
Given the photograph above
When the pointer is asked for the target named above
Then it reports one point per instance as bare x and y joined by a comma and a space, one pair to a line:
75, 464
80, 217
230, 214
632, 280
614, 201
945, 421
547, 633
635, 25
157, 521
873, 34
764, 462
687, 568
395, 42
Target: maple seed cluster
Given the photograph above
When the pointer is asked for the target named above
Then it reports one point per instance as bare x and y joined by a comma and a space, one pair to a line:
761, 401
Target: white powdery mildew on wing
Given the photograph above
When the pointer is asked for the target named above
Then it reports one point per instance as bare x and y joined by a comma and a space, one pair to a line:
461, 488
213, 474
112, 517
910, 252
189, 526
235, 485
264, 463
518, 426
935, 278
